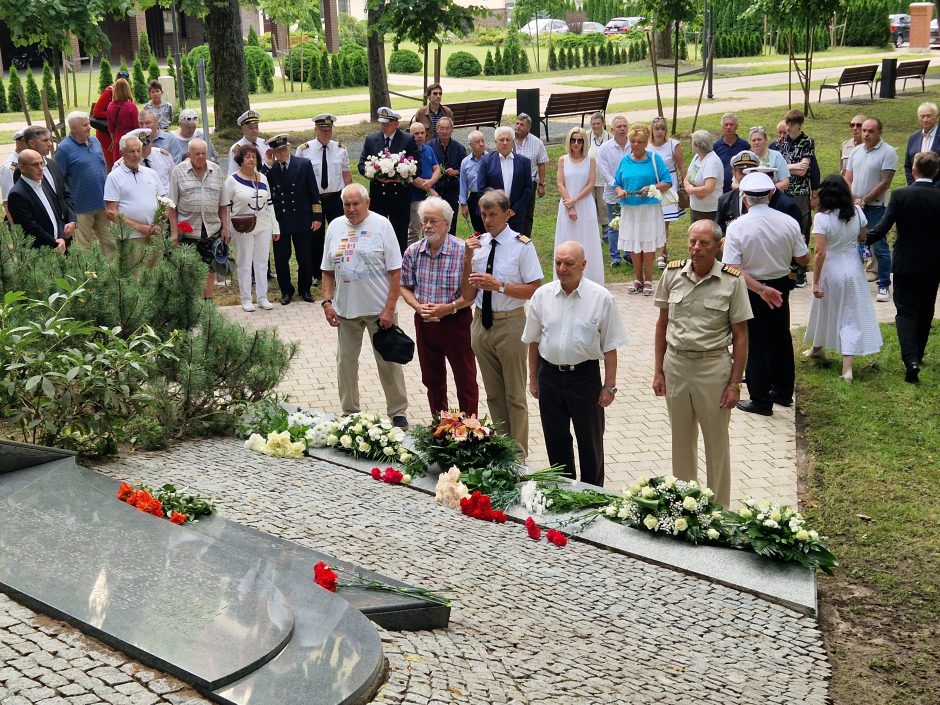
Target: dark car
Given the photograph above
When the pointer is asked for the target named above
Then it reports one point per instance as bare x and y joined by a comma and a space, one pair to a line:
900, 29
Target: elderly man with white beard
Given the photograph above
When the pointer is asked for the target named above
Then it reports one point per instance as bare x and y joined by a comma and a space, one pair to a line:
431, 275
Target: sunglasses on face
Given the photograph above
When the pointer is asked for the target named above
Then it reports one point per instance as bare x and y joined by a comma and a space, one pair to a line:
855, 124
577, 140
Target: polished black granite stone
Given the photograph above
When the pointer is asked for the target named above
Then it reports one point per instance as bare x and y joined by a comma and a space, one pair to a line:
16, 456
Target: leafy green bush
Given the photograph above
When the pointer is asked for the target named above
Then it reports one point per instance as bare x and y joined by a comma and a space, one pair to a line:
867, 22
404, 61
490, 36
200, 52
260, 59
579, 40
310, 57
463, 63
352, 31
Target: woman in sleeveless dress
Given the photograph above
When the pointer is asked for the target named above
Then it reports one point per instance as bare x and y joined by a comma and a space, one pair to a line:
577, 212
842, 316
671, 152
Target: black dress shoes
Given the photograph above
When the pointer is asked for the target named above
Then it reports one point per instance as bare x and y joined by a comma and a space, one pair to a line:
780, 400
308, 297
285, 299
912, 375
752, 408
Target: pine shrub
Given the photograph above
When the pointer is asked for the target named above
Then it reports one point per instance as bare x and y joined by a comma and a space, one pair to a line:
153, 70
326, 74
498, 64
139, 83
3, 99
48, 86
13, 100
105, 78
143, 49
32, 92
552, 58
489, 68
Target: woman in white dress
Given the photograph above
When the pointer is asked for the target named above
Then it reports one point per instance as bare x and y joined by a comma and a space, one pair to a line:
598, 135
842, 316
671, 152
757, 136
577, 212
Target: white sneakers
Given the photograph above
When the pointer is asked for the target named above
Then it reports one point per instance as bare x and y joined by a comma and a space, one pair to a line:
265, 304
247, 306
882, 296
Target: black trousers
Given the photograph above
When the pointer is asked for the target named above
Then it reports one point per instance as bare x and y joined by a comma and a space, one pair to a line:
302, 243
914, 298
567, 398
453, 200
530, 211
332, 204
394, 202
770, 364
473, 205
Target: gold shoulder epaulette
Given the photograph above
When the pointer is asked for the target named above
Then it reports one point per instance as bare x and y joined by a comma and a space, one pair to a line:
676, 263
304, 146
731, 270
524, 239
340, 145
317, 208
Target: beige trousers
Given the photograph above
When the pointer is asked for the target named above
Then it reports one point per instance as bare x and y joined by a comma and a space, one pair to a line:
391, 374
501, 356
91, 227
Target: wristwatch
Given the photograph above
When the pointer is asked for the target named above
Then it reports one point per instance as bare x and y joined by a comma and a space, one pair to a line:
610, 390
501, 289
325, 302
735, 385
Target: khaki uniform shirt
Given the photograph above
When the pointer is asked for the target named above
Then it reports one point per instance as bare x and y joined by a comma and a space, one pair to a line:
701, 313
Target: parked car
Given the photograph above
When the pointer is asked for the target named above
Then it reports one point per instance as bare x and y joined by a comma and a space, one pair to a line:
934, 33
900, 29
544, 27
591, 28
622, 25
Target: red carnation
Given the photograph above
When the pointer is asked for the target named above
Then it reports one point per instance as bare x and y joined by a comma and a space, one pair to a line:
556, 537
535, 533
376, 474
324, 576
499, 516
185, 227
178, 519
124, 492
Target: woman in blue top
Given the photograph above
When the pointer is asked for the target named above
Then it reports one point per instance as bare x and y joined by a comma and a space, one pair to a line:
641, 216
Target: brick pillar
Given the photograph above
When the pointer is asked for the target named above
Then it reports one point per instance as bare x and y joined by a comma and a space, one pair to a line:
280, 31
921, 13
74, 48
330, 25
137, 25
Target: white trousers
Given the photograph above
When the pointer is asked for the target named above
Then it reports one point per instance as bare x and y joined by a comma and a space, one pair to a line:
251, 250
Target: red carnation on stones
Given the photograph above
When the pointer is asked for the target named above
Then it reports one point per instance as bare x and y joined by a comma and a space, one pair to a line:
178, 519
185, 228
324, 576
478, 506
124, 492
392, 476
376, 474
535, 533
554, 536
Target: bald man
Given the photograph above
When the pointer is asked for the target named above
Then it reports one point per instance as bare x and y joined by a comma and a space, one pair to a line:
572, 324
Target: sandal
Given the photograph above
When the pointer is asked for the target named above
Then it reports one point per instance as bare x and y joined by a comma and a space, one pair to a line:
647, 288
636, 287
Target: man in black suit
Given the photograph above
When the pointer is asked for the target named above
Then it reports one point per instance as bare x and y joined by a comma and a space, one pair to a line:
450, 154
731, 205
492, 176
916, 262
389, 197
299, 213
36, 208
38, 139
926, 139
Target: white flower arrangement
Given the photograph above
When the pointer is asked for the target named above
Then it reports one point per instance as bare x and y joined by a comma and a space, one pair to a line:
449, 489
653, 192
396, 166
276, 445
365, 435
533, 498
614, 223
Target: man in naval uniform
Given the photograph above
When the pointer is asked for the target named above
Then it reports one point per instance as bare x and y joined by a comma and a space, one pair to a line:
330, 161
248, 121
297, 207
8, 168
390, 197
703, 306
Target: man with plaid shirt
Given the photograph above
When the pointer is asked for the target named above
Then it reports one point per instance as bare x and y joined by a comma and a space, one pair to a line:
431, 273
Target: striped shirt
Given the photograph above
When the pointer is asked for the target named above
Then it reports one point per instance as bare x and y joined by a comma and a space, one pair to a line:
533, 148
198, 200
434, 280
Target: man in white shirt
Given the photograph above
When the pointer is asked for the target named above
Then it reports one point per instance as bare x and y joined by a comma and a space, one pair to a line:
852, 142
130, 193
609, 156
361, 283
506, 272
572, 324
531, 147
249, 122
762, 243
157, 159
336, 175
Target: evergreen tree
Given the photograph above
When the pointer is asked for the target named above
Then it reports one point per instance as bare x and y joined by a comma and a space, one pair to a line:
139, 83
3, 99
252, 40
576, 57
489, 68
552, 58
498, 63
123, 66
267, 77
313, 76
587, 56
14, 102
524, 61
562, 59
346, 70
251, 69
336, 72
189, 80
105, 78
592, 54
32, 92
47, 86
623, 55
143, 49
153, 70
361, 69
170, 66
326, 74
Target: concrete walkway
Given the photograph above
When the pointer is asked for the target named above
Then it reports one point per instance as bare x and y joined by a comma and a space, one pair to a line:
637, 440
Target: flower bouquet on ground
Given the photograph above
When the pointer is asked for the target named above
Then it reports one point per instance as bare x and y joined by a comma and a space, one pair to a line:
778, 532
455, 439
327, 578
391, 166
166, 502
366, 436
669, 506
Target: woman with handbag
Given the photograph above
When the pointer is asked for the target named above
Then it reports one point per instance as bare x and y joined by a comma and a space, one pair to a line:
641, 216
671, 153
253, 224
577, 212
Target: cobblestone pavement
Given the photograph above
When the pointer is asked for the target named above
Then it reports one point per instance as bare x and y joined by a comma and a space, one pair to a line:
637, 440
533, 624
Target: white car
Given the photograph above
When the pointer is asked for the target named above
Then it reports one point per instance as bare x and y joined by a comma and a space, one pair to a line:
591, 28
544, 27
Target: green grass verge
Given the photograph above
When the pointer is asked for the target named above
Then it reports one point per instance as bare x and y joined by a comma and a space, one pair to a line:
872, 484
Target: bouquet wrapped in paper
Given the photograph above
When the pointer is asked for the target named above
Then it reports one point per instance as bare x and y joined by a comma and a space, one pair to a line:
391, 166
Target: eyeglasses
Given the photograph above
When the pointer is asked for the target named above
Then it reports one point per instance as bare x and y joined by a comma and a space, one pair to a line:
577, 140
189, 119
431, 221
855, 124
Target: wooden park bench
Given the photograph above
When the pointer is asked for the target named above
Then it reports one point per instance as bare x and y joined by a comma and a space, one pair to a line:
853, 76
478, 113
911, 69
579, 103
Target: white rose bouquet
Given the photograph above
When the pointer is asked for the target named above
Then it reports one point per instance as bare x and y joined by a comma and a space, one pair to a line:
366, 436
391, 166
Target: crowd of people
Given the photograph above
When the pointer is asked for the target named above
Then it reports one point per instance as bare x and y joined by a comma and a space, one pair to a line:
750, 204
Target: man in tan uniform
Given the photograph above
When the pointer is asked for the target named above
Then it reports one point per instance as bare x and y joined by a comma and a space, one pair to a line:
703, 307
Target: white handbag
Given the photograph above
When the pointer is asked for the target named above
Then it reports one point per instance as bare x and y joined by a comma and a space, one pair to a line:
670, 197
